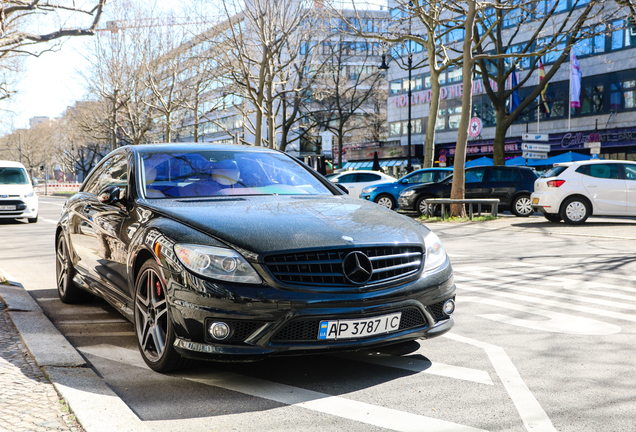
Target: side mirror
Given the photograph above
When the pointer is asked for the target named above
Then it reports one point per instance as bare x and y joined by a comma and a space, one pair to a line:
35, 182
404, 181
342, 187
110, 195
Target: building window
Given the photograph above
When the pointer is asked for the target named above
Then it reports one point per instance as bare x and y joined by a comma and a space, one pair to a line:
591, 45
455, 75
553, 54
523, 63
623, 95
396, 87
454, 116
592, 99
620, 35
441, 120
418, 83
395, 129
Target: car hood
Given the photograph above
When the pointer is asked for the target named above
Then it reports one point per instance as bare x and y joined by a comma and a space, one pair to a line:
15, 189
266, 224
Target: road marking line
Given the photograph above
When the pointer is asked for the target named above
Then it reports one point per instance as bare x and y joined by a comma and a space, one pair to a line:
557, 323
332, 405
416, 365
54, 222
104, 334
544, 302
532, 414
82, 322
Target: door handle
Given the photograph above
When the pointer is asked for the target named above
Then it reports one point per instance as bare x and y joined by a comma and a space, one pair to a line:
591, 186
87, 208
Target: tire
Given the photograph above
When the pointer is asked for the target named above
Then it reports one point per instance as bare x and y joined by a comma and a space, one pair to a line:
420, 207
153, 325
68, 292
552, 217
575, 210
521, 206
33, 220
385, 200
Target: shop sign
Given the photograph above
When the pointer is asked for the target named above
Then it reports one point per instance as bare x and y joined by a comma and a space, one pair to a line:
486, 149
578, 139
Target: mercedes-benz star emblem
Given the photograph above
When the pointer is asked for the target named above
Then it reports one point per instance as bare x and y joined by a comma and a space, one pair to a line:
357, 268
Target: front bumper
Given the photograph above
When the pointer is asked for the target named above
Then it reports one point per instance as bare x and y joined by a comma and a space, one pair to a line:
24, 208
267, 321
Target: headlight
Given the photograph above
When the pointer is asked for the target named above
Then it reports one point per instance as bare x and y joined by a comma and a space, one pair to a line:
407, 193
29, 195
216, 263
435, 254
369, 189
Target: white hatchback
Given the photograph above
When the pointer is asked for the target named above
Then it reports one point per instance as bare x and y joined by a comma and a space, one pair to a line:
17, 198
355, 181
574, 191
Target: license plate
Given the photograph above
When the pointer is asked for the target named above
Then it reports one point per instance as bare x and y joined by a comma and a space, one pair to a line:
7, 207
356, 328
535, 200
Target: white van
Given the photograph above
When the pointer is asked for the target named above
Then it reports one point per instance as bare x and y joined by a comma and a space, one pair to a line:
17, 198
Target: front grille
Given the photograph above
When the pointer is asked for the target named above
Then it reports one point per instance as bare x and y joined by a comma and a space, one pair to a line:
307, 329
437, 310
324, 268
20, 206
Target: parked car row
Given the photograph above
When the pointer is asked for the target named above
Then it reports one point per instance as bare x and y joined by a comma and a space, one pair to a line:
570, 191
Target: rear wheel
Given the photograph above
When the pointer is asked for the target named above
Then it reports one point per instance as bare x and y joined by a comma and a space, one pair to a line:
522, 206
575, 211
153, 326
64, 272
386, 200
421, 207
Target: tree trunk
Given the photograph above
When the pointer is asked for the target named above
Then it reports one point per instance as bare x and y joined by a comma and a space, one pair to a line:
340, 148
500, 138
168, 129
429, 144
458, 188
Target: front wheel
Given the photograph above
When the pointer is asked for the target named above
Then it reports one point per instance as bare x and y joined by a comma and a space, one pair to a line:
575, 211
386, 201
522, 206
153, 327
68, 292
421, 207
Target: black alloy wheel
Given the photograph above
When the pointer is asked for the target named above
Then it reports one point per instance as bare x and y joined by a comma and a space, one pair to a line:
522, 206
68, 292
155, 334
386, 200
421, 207
575, 210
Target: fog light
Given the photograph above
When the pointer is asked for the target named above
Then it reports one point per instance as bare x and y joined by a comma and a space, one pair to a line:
449, 306
219, 330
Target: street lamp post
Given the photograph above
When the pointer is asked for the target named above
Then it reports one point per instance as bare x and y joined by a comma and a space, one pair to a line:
385, 66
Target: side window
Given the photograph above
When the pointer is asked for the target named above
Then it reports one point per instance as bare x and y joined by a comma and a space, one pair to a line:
424, 177
441, 175
347, 178
113, 172
630, 172
503, 175
605, 171
363, 178
475, 175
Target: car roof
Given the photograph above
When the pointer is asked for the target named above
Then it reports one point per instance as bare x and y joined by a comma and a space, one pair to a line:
595, 161
154, 148
11, 164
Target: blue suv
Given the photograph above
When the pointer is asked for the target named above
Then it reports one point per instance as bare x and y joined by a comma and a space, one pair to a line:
386, 194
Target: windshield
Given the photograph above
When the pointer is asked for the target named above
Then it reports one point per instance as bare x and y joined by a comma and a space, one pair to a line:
554, 171
219, 173
13, 176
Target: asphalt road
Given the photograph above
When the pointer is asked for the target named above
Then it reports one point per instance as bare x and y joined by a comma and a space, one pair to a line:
544, 341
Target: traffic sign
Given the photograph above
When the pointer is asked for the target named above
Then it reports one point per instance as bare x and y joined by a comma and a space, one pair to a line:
535, 137
595, 150
534, 155
592, 145
535, 147
474, 127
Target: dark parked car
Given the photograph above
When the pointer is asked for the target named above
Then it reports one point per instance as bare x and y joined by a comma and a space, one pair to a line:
512, 185
237, 253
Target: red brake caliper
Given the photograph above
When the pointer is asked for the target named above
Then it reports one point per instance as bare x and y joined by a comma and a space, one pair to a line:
158, 286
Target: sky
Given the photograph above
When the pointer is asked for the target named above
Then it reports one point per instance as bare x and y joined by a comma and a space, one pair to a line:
52, 82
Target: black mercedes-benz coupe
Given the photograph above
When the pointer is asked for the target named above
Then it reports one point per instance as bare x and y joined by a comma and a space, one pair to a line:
237, 253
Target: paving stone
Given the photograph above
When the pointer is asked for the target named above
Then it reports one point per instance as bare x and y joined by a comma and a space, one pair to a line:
28, 401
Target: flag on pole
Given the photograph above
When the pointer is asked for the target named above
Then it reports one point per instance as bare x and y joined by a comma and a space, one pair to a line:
575, 83
515, 100
542, 101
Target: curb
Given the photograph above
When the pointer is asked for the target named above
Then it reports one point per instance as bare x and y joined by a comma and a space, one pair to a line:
96, 406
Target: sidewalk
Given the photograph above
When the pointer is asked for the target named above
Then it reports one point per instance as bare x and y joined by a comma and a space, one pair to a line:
45, 384
28, 400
